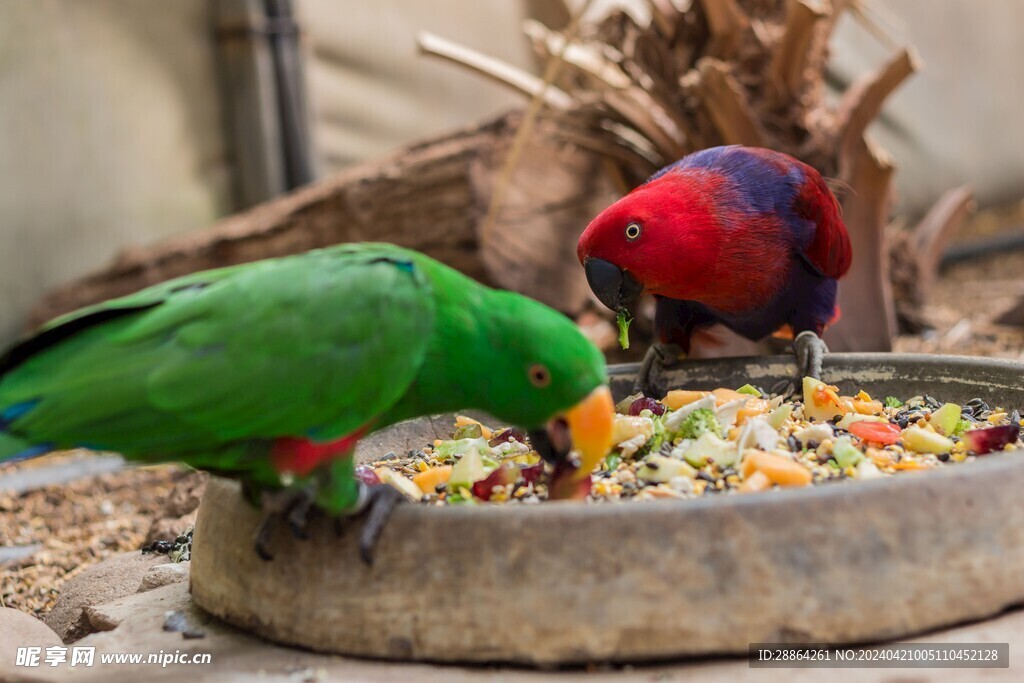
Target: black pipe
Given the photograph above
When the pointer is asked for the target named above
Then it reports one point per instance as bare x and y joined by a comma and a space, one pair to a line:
983, 246
283, 35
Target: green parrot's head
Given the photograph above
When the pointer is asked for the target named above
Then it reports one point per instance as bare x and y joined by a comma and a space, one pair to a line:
547, 377
524, 363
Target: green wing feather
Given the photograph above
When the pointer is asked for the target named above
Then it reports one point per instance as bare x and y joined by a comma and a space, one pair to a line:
307, 345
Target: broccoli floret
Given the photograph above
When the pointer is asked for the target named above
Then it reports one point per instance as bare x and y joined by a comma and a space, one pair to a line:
892, 402
699, 421
658, 438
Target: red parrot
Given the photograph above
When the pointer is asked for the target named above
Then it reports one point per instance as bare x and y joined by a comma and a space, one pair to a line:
742, 236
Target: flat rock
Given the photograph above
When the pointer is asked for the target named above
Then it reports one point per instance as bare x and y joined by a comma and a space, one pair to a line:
19, 628
113, 578
164, 574
136, 626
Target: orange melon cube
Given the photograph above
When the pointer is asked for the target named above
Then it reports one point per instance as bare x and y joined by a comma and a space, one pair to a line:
754, 407
678, 398
779, 470
725, 395
757, 482
429, 480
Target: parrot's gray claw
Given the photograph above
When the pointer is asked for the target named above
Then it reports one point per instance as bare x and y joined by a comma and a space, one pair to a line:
378, 505
299, 516
650, 379
786, 388
810, 352
263, 536
295, 507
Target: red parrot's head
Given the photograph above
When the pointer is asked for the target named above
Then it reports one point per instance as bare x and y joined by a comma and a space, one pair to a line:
657, 239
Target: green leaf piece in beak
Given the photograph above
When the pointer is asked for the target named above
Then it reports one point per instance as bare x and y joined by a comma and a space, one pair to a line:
623, 319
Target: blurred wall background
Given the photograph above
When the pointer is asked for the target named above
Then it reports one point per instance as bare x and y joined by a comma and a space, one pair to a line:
958, 120
114, 121
113, 126
111, 135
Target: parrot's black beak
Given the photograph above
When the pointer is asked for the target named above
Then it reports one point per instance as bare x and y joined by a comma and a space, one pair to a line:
553, 443
614, 287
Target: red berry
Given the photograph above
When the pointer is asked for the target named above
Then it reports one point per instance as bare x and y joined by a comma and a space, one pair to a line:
505, 435
646, 403
532, 473
365, 474
507, 474
989, 439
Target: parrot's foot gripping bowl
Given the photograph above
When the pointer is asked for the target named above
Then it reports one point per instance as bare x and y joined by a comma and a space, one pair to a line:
571, 582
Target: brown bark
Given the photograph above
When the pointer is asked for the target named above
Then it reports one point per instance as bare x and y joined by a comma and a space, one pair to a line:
733, 115
727, 23
916, 254
790, 62
863, 100
865, 295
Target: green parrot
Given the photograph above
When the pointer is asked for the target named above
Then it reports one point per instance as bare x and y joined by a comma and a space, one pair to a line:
270, 372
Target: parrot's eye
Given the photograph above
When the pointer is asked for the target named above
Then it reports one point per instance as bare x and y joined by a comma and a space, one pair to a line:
632, 231
540, 376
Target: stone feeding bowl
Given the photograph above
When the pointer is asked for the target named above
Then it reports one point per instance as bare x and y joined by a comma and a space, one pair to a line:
567, 582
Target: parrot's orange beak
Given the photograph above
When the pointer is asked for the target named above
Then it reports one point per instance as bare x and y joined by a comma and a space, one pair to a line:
590, 425
583, 431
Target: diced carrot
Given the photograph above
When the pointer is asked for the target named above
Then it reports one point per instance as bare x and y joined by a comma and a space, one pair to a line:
825, 394
428, 481
462, 421
757, 482
778, 469
680, 397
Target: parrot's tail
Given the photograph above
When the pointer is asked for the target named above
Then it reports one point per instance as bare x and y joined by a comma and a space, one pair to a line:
12, 449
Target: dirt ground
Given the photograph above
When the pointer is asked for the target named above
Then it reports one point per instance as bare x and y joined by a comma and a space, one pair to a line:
963, 303
77, 525
967, 297
84, 522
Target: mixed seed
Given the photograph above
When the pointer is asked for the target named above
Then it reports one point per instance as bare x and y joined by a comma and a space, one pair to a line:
696, 443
